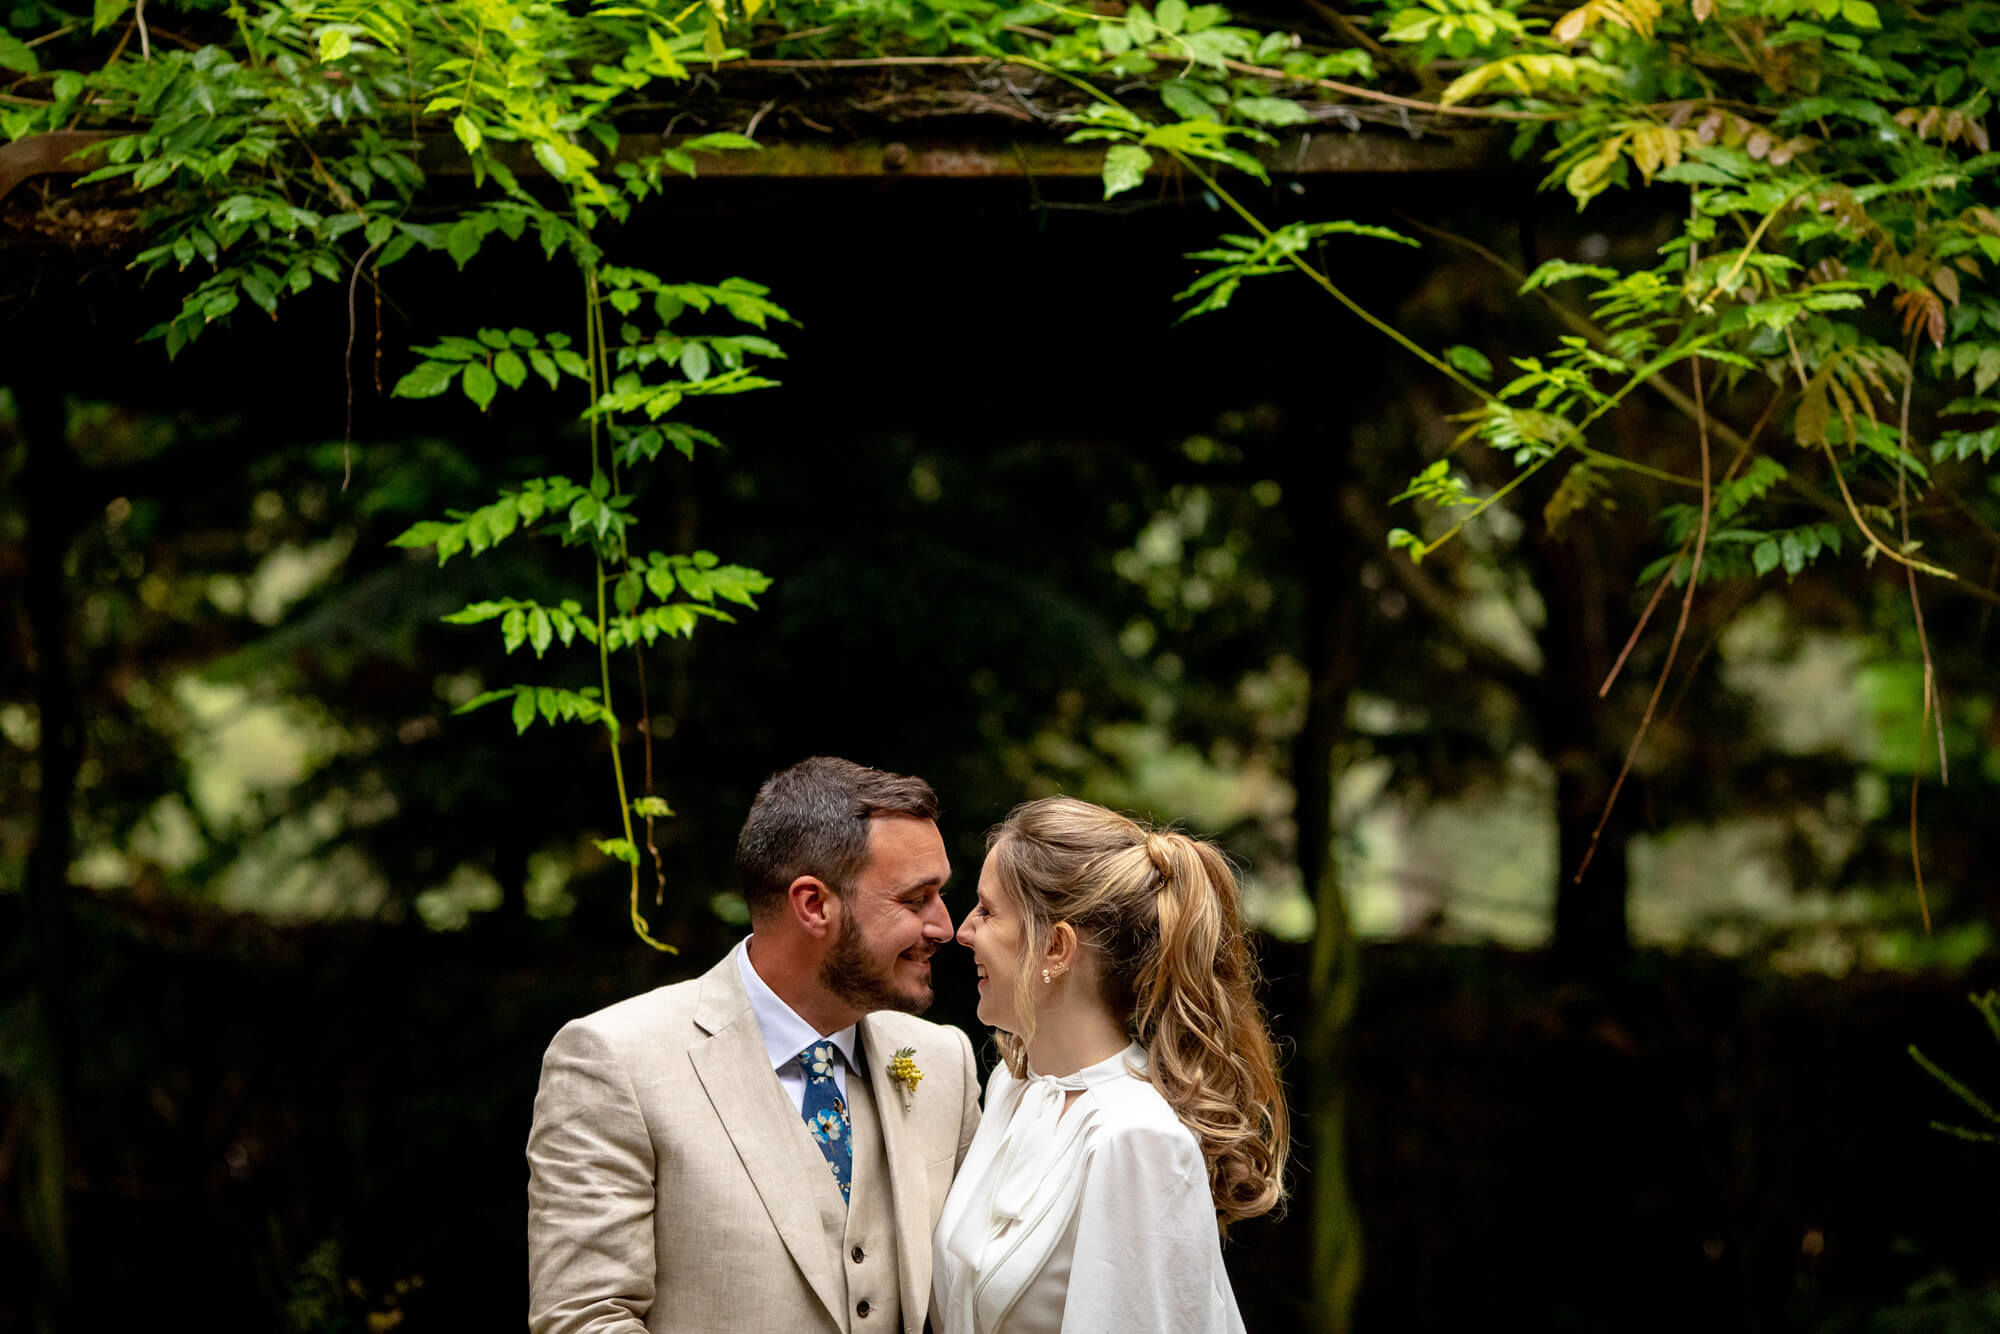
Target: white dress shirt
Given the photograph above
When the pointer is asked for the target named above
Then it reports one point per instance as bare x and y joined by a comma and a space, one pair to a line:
786, 1035
1091, 1221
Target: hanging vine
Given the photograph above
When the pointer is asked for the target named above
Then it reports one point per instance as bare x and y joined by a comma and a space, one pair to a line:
1831, 273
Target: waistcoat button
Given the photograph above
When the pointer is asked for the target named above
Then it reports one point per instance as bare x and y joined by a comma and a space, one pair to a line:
858, 1254
862, 1308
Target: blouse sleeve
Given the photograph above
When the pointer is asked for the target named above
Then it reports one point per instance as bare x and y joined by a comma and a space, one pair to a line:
1147, 1252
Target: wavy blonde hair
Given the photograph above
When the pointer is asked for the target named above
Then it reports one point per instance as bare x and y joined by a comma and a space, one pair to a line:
1162, 914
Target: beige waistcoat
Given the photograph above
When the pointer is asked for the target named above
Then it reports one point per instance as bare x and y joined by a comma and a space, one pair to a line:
673, 1185
864, 1226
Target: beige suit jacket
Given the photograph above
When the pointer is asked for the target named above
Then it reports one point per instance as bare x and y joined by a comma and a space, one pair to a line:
670, 1178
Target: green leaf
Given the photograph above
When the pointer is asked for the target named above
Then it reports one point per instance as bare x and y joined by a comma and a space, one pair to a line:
510, 370
107, 12
524, 710
475, 612
695, 362
1793, 553
721, 141
529, 501
467, 131
618, 849
652, 807
1171, 15
514, 629
1187, 99
1986, 369
1470, 360
334, 44
17, 55
462, 242
485, 697
540, 631
1124, 167
422, 534
1766, 556
478, 384
1561, 270
629, 590
453, 348
1861, 14
664, 53
544, 365
1272, 110
428, 380
1215, 45
551, 160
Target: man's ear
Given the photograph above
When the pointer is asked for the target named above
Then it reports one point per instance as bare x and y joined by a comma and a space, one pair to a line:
814, 906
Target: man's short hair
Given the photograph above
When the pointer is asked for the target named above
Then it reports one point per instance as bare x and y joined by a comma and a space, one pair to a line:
813, 819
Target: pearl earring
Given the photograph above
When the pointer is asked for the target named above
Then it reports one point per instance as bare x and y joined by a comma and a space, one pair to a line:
1046, 979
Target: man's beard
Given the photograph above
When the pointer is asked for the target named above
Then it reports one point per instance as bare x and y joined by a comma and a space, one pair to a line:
850, 974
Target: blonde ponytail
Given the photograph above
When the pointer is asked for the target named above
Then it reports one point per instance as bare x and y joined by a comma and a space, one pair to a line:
1163, 914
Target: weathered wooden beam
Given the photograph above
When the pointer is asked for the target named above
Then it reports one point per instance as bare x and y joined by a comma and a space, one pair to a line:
968, 158
43, 154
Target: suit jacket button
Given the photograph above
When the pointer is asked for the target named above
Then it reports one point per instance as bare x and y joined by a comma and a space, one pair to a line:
858, 1254
862, 1308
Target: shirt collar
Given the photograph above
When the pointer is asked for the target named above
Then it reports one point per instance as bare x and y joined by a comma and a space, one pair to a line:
1119, 1065
785, 1034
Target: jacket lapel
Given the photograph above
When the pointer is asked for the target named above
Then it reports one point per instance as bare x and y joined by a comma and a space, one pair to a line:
903, 1150
735, 1072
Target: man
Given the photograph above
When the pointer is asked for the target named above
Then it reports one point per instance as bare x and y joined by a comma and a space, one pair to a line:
744, 1151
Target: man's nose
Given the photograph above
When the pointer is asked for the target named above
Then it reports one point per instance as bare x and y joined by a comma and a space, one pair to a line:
937, 922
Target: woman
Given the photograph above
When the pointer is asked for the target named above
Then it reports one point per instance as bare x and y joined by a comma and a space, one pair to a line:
1137, 1111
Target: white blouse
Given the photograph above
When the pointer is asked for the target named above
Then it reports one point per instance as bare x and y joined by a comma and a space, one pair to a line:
1086, 1222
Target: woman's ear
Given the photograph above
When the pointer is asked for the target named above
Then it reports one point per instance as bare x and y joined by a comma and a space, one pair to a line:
1063, 949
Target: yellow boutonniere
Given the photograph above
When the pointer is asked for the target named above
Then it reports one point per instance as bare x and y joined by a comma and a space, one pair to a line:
903, 1070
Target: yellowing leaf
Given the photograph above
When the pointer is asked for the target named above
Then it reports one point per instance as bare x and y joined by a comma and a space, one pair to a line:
1810, 422
1582, 487
1590, 176
1530, 74
1652, 147
1637, 15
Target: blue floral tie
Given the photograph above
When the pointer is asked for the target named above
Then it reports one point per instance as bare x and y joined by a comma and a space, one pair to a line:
826, 1112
